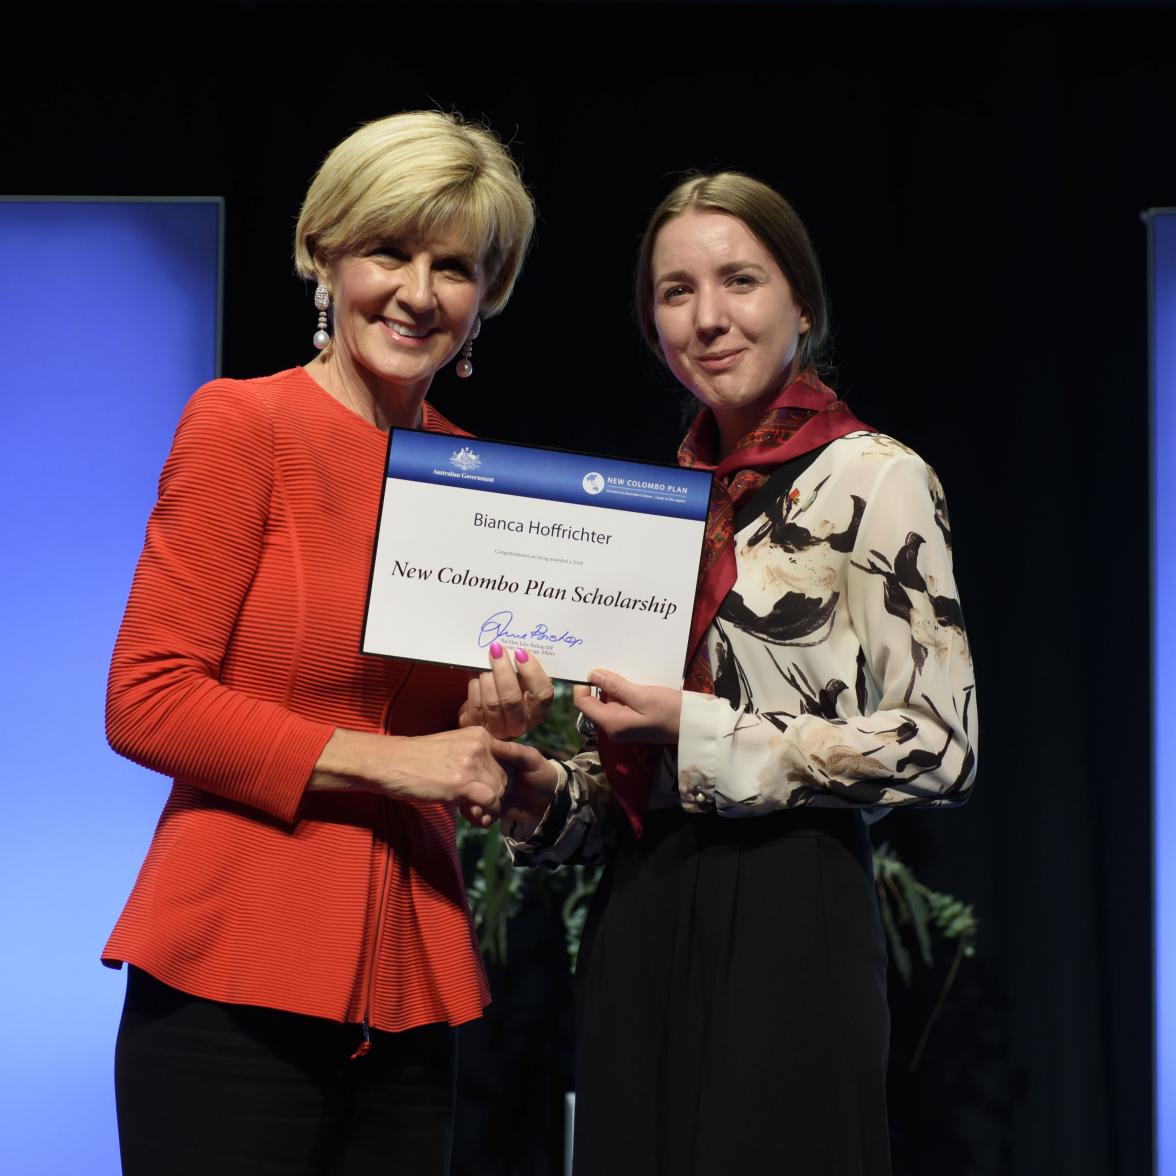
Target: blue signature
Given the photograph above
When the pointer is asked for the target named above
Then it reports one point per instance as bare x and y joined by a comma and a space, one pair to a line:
497, 628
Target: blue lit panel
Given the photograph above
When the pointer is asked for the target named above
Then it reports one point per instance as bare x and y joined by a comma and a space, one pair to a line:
1162, 240
112, 321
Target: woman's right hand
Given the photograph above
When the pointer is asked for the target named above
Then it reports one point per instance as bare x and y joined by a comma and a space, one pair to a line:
450, 767
533, 781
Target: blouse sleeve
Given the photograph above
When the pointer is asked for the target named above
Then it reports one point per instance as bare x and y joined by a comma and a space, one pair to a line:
918, 744
165, 706
575, 828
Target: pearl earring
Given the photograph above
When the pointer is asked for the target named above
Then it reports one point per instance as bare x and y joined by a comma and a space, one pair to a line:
322, 299
465, 366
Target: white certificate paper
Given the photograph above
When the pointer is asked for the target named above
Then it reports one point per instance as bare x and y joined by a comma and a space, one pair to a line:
587, 562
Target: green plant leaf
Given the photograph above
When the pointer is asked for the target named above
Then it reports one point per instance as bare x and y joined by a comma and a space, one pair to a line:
920, 915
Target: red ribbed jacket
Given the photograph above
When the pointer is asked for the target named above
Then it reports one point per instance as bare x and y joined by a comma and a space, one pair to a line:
237, 657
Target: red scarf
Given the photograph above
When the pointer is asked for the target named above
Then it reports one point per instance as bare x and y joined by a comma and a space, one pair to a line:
803, 417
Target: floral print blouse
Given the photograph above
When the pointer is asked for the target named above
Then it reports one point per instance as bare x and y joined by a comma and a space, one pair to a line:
842, 670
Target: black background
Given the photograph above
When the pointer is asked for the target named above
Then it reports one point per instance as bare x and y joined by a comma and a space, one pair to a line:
973, 178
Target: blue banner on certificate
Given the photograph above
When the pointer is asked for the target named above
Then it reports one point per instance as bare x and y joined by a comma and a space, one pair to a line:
584, 561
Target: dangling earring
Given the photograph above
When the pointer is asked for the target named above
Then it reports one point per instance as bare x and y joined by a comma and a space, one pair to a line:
465, 366
322, 299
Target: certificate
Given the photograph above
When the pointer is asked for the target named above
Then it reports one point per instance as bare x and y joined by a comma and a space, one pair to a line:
584, 561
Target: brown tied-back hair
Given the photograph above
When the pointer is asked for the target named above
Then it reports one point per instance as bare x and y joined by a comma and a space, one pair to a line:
773, 222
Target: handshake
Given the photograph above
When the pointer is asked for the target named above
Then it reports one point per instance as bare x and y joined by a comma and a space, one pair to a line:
513, 698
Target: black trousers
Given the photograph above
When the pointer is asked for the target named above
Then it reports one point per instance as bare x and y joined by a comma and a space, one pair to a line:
204, 1087
731, 1002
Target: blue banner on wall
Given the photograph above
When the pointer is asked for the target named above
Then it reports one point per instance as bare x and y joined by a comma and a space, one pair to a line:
1162, 292
118, 324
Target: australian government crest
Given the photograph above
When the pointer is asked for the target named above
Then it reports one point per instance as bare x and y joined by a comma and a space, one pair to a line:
465, 459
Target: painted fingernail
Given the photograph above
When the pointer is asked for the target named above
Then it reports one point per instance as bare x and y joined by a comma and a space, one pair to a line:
521, 655
495, 650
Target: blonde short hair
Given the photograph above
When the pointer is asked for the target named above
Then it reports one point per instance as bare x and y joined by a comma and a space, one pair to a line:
772, 221
417, 174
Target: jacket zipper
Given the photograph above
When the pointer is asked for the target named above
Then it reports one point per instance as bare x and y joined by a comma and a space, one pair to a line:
365, 1045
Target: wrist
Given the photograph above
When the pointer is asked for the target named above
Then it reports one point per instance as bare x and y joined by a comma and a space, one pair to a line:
549, 777
356, 761
560, 775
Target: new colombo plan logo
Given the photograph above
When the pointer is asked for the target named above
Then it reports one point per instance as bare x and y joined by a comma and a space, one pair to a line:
465, 459
593, 482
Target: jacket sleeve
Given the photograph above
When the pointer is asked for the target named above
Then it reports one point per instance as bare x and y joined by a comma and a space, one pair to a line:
917, 743
165, 705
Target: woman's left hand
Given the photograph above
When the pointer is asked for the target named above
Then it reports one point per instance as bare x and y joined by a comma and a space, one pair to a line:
629, 713
512, 698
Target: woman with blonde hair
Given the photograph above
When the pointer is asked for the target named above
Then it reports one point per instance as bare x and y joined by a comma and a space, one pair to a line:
731, 985
298, 936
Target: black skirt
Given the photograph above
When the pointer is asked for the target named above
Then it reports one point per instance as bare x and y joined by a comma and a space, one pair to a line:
731, 1001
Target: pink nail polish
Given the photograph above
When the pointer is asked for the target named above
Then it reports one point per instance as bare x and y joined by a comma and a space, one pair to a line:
521, 655
495, 650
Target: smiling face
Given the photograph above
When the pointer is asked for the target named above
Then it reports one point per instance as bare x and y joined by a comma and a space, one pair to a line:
725, 317
402, 309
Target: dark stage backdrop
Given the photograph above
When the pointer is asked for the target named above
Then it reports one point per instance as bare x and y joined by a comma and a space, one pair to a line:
973, 179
